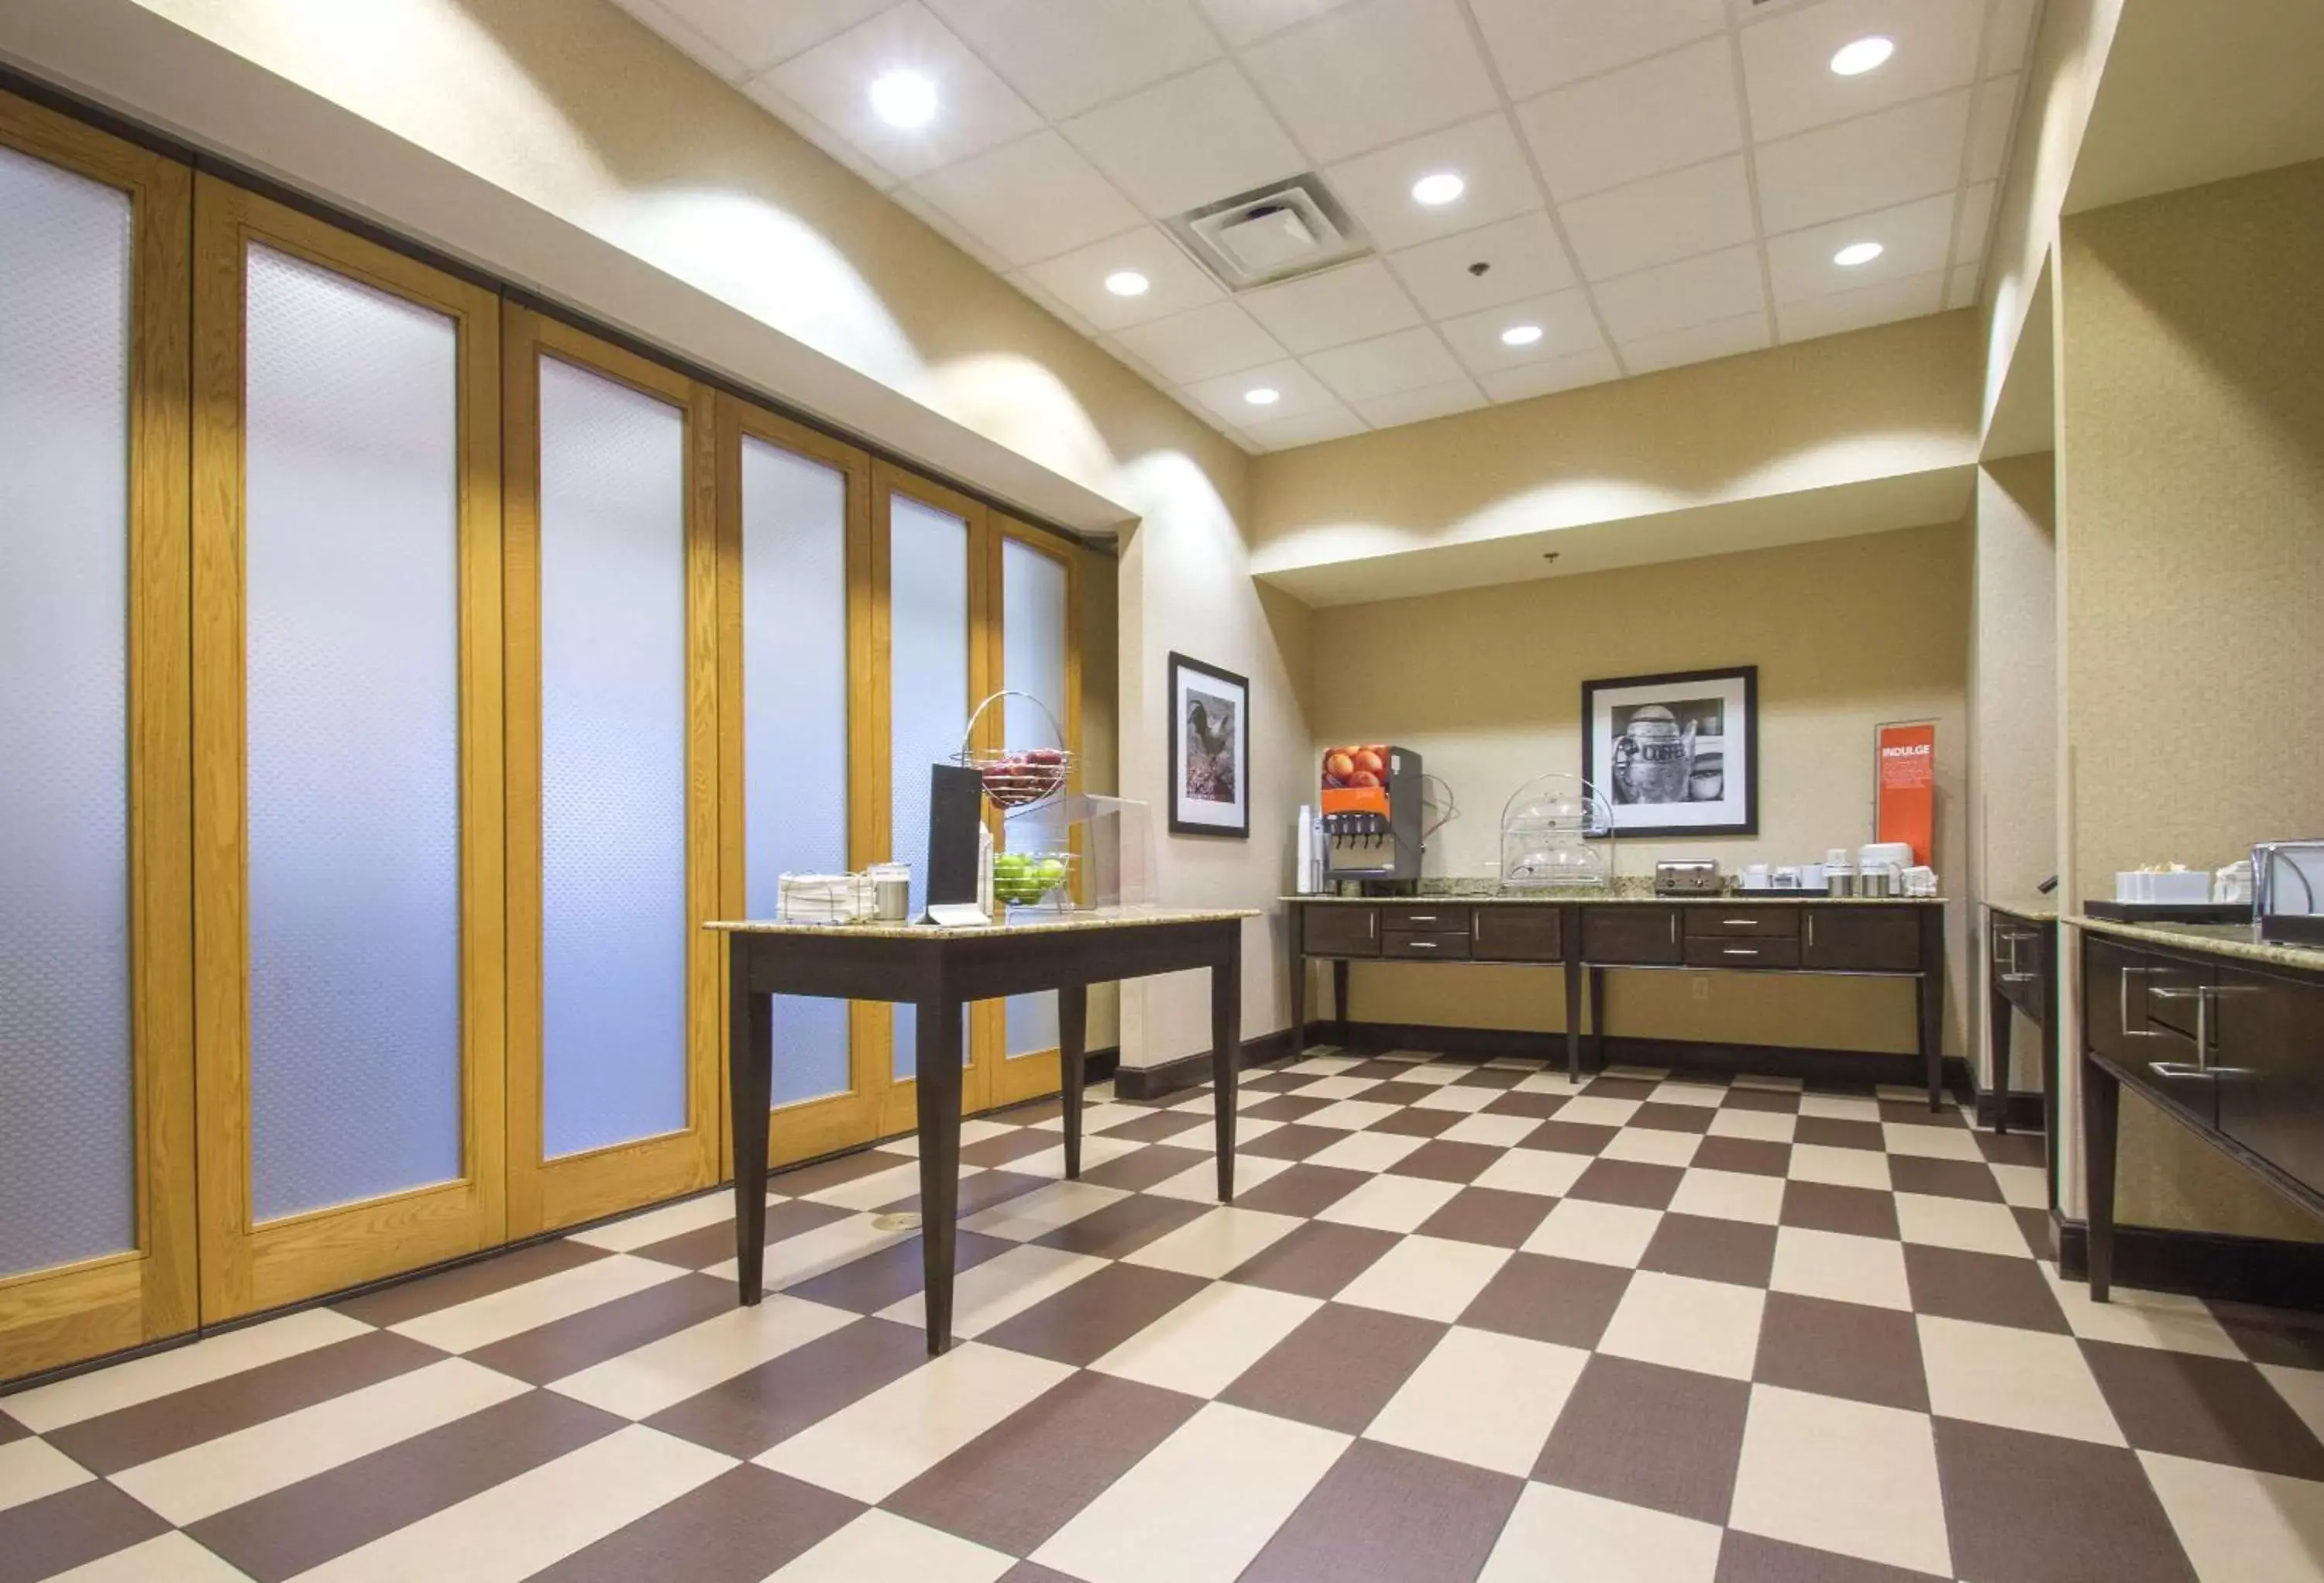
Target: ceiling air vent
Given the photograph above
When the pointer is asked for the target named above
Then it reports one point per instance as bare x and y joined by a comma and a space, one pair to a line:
1271, 234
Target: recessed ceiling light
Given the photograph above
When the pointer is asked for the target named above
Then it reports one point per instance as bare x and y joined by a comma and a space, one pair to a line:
905, 98
1856, 252
1262, 395
1127, 283
1520, 335
1438, 189
1864, 55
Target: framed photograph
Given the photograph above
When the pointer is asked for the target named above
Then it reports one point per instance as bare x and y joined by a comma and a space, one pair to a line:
1675, 754
1209, 750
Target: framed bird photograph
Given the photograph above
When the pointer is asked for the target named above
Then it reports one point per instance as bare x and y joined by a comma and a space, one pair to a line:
1209, 750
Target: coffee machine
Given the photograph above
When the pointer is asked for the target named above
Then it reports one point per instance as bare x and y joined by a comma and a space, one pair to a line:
1371, 816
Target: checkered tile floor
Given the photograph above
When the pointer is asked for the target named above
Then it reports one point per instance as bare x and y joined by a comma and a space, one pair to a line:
1465, 1322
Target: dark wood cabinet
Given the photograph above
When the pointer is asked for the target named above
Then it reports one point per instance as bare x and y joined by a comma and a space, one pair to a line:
1712, 951
2024, 962
1861, 939
1722, 923
1424, 919
1518, 934
1342, 931
1641, 936
2269, 1058
1442, 946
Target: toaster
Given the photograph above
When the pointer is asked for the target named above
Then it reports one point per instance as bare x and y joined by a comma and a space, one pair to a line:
2288, 891
1686, 876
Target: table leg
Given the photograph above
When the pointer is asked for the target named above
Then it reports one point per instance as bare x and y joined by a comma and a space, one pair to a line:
940, 1019
1929, 1002
1339, 1008
2050, 1089
1226, 1053
1295, 928
750, 1057
1573, 1017
2001, 1036
2102, 1113
1598, 1017
1073, 1032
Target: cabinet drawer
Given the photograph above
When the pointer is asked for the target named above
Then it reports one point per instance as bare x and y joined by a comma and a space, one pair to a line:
1645, 935
1440, 947
1749, 923
1420, 918
1340, 931
2021, 968
1711, 950
1518, 934
2269, 1034
1861, 939
2119, 1022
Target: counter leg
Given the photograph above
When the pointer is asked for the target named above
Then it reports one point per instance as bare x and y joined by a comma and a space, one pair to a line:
1929, 1001
1226, 1053
1597, 1018
2000, 1042
1073, 1030
2050, 1089
1573, 1017
1339, 1008
750, 1058
2102, 1113
1296, 931
938, 1072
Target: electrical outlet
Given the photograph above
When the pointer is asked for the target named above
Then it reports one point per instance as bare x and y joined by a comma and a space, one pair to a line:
1702, 982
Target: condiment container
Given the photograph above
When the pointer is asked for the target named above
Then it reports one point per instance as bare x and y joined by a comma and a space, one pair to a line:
1838, 880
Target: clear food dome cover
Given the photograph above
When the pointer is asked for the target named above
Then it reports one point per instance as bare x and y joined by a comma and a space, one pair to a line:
1546, 830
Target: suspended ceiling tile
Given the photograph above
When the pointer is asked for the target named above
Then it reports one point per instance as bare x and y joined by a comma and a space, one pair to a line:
1787, 59
758, 35
1461, 395
1661, 219
1297, 391
1523, 258
1377, 187
1567, 329
1858, 166
1030, 200
1677, 109
1975, 226
1372, 74
1698, 344
1353, 302
1915, 238
1325, 423
1988, 129
1908, 298
1547, 378
1541, 44
1201, 343
1070, 58
1698, 291
2009, 36
1187, 141
1405, 361
1174, 282
1245, 22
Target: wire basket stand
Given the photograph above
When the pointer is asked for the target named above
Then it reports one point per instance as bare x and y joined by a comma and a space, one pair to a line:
1017, 778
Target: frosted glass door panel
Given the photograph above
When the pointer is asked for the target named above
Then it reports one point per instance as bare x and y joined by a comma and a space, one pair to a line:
928, 671
352, 616
68, 1171
613, 761
1033, 660
794, 724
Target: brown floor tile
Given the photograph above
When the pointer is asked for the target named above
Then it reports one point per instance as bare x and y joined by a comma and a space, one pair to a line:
2035, 1508
283, 1534
1415, 1122
1663, 1438
1314, 1261
705, 1245
979, 1191
1440, 1161
10, 1429
1273, 1079
567, 1345
1569, 1138
763, 1406
1490, 1077
1827, 1133
1138, 1171
1916, 1113
1747, 1557
1943, 1178
893, 1273
1489, 1216
1541, 1107
112, 1441
1750, 1156
1777, 1101
2013, 1148
1393, 1092
391, 1305
1282, 1108
1162, 1124
1841, 1349
1732, 1251
2266, 1335
1031, 1115
2215, 1409
1004, 1146
1338, 1369
1379, 1071
1293, 1141
2040, 1234
1859, 1211
1026, 1572
1627, 1181
40, 1538
1019, 1482
1982, 1287
1127, 1225
1546, 1299
1095, 1314
834, 1172
1673, 1117
741, 1526
1384, 1515
1304, 1190
1619, 1088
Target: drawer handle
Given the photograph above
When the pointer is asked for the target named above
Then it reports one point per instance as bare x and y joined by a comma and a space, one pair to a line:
1673, 926
1421, 944
1739, 923
2201, 996
1740, 950
2183, 1069
1811, 929
1420, 917
2122, 1004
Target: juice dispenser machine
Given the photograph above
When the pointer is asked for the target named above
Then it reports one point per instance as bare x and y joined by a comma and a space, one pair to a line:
1371, 815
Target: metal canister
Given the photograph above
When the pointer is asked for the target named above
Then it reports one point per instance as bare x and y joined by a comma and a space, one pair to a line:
891, 892
1838, 880
1875, 881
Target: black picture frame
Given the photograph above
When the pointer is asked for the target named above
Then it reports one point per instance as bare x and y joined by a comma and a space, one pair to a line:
1192, 815
1733, 690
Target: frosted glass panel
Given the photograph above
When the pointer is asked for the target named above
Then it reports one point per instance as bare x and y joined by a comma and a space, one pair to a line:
613, 761
927, 708
352, 548
1033, 660
795, 724
68, 1171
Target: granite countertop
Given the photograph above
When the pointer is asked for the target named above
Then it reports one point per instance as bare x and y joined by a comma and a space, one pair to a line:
1021, 922
2038, 910
2240, 941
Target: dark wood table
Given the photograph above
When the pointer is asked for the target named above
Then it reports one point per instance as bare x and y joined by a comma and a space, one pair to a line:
2022, 973
938, 970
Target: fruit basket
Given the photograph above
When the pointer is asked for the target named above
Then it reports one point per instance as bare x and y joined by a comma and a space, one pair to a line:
1033, 879
1018, 778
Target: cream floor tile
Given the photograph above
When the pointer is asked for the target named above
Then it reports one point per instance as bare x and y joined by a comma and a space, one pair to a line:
1960, 1223
1392, 1203
480, 1322
166, 1558
1551, 1082
1366, 1151
1436, 1073
1639, 1073
1482, 1398
1869, 1270
1545, 1172
32, 1470
1427, 1277
1562, 1536
1095, 1151
661, 1373
1759, 1126
1242, 1472
1708, 1326
1334, 1087
1200, 1183
709, 1208
999, 1288
871, 1448
141, 1380
201, 1480
1097, 1119
1898, 1093
1772, 1084
2136, 1318
516, 1528
1841, 1475
1349, 1114
2018, 1379
1201, 1346
1704, 1096
2241, 1527
879, 1545
1042, 1210
971, 1130
1602, 1234
1213, 1244
811, 1253
1323, 1066
1730, 1195
2025, 1187
1512, 1063
1447, 1098
1839, 1107
898, 1180
2302, 1390
1931, 1142
1595, 1111
1649, 1146
1499, 1132
1839, 1167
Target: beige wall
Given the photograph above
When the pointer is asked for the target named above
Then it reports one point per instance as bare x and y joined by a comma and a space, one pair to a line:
2191, 530
1486, 683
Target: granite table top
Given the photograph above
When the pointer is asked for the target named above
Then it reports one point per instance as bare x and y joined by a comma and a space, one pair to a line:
2240, 941
2034, 910
1020, 922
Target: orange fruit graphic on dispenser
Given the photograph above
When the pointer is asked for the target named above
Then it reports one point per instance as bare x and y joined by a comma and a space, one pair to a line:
1355, 778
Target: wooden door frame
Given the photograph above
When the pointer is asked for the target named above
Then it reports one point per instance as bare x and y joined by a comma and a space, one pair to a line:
545, 1193
245, 1265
